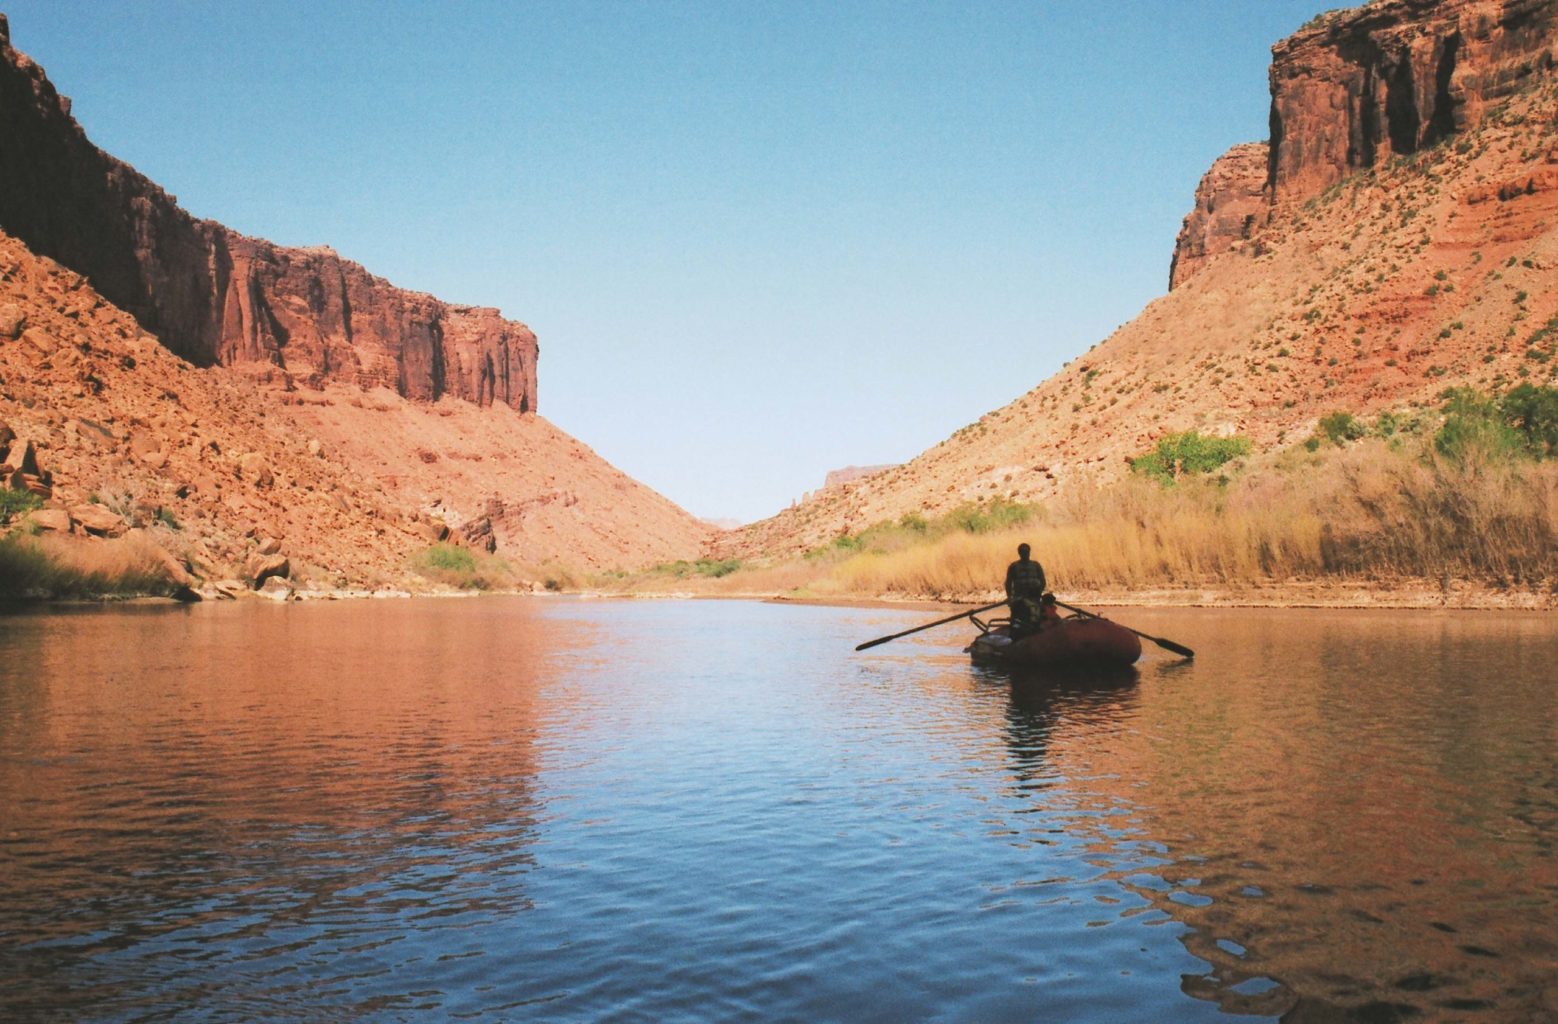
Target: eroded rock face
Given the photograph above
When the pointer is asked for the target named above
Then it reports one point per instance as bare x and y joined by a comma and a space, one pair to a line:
217, 297
1394, 77
1231, 204
1355, 87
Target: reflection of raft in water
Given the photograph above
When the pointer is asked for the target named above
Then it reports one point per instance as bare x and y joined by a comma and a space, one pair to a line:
1077, 643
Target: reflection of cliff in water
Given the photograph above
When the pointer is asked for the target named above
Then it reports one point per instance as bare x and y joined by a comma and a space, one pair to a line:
309, 781
1355, 820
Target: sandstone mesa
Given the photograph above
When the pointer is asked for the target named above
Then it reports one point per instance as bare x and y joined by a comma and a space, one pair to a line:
265, 412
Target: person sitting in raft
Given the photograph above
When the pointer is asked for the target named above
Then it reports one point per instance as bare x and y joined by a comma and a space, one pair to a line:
1025, 587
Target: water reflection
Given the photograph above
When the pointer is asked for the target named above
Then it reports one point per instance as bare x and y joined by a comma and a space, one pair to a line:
274, 790
1358, 826
509, 808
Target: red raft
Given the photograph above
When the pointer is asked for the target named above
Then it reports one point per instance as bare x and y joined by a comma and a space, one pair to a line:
1081, 643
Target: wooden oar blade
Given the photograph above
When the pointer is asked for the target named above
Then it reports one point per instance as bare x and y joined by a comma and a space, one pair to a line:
1169, 645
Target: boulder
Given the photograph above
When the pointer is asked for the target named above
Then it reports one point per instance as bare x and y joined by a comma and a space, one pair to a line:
53, 519
225, 590
478, 534
178, 574
252, 468
433, 530
7, 435
34, 484
42, 341
276, 589
20, 458
268, 546
98, 519
259, 568
12, 320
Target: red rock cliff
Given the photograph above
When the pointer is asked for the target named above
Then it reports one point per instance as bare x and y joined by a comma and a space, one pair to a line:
1355, 87
218, 297
1231, 204
1393, 77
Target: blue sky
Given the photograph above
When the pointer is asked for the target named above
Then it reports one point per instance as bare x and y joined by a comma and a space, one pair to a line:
757, 241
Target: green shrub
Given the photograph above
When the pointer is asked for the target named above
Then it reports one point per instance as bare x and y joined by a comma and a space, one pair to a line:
987, 517
1341, 427
1187, 454
17, 503
461, 567
1473, 426
1533, 412
449, 558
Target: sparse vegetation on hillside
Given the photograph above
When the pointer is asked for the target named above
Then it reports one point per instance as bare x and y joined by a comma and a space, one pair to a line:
1469, 492
995, 515
682, 569
1376, 510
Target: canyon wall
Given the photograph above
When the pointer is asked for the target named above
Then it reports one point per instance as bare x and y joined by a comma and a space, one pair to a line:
215, 296
1230, 204
1393, 77
1355, 87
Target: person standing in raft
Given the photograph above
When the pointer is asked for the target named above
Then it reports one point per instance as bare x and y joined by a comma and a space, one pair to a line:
1025, 587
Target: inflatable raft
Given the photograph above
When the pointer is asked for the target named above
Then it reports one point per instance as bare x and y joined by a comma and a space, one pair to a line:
1083, 642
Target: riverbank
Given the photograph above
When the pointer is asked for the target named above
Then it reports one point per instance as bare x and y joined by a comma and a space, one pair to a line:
1465, 595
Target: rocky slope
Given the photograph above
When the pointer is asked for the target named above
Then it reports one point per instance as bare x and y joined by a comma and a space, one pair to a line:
1373, 264
262, 411
236, 476
215, 296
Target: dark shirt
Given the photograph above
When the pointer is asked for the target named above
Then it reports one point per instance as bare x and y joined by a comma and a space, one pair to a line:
1024, 578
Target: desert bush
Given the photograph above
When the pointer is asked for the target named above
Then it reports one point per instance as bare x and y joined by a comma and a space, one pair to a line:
1377, 509
1187, 454
1341, 427
457, 566
17, 503
986, 517
1533, 411
1475, 428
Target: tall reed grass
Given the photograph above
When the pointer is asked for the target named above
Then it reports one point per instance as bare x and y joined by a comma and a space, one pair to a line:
44, 567
1374, 510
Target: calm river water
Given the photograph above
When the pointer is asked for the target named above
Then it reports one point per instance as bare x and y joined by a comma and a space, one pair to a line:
564, 810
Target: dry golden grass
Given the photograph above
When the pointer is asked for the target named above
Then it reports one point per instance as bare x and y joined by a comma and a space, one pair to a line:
54, 567
1369, 511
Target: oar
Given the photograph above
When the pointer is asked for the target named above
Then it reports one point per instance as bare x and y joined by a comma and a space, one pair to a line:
928, 625
1167, 645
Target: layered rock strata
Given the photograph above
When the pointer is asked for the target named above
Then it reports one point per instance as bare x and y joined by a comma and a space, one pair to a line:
1393, 77
215, 296
1356, 87
1231, 204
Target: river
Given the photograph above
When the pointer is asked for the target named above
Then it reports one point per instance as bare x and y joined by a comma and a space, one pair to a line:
569, 810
